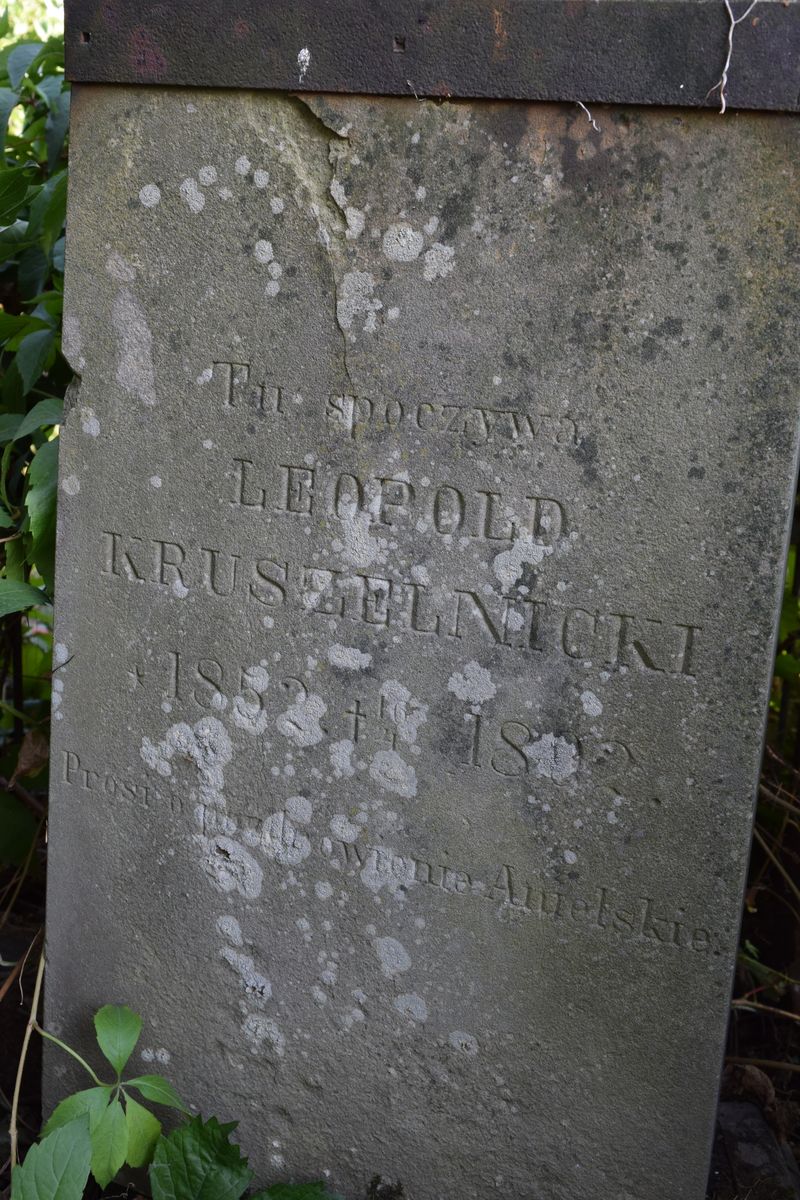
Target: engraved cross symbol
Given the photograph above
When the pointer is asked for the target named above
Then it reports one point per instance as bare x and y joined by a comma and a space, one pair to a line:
359, 717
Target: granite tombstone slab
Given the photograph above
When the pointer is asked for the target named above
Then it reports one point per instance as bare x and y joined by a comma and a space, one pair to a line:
423, 504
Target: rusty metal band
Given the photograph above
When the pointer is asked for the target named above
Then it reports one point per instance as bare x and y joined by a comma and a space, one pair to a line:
669, 52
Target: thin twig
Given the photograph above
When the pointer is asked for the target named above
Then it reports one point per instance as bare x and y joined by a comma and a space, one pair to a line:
773, 798
36, 806
767, 1008
762, 1062
29, 1028
723, 83
777, 862
51, 1037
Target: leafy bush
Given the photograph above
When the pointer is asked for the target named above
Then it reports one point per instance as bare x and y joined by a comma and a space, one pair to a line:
101, 1129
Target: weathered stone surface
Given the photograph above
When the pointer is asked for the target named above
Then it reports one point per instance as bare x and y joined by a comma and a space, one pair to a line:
421, 522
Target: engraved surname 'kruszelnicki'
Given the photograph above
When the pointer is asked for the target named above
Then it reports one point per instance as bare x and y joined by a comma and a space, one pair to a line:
614, 635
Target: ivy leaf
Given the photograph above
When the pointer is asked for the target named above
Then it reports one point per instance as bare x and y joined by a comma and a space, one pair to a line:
32, 355
49, 411
48, 210
55, 128
58, 1167
144, 1131
91, 1102
117, 1026
198, 1161
8, 101
20, 59
13, 190
157, 1090
109, 1143
16, 596
40, 501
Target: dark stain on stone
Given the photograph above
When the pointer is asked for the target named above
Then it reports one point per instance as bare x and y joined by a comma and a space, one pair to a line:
696, 472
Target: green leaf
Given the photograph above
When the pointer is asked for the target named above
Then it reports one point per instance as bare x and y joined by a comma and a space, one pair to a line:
16, 596
157, 1090
48, 210
49, 411
8, 102
32, 355
5, 24
117, 1026
198, 1162
58, 1167
13, 190
40, 502
92, 1102
55, 128
144, 1131
109, 1143
20, 59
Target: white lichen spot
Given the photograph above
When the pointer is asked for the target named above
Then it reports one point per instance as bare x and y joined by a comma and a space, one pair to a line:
230, 867
207, 175
464, 1043
257, 988
263, 251
392, 955
344, 829
341, 754
262, 1033
72, 341
508, 565
119, 270
60, 654
230, 928
300, 723
570, 857
553, 757
403, 710
348, 658
323, 889
356, 298
283, 842
150, 195
205, 376
191, 195
438, 261
89, 422
272, 288
242, 165
300, 809
393, 773
474, 684
356, 221
275, 269
303, 63
431, 226
155, 481
401, 243
261, 178
393, 313
135, 371
412, 1006
71, 485
591, 704
277, 205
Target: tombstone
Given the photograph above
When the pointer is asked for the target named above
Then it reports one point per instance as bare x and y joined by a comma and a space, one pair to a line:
422, 516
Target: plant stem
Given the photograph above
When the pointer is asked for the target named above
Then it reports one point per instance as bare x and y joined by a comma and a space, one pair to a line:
29, 1028
51, 1037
